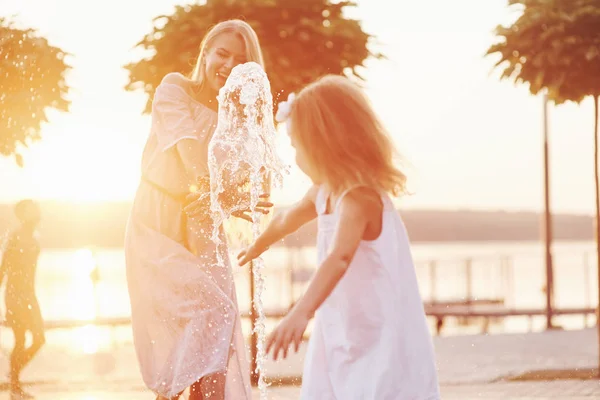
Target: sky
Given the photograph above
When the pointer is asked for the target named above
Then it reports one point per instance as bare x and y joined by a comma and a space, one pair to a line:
472, 141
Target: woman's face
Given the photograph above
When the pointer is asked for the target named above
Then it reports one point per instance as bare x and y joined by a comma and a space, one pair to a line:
227, 51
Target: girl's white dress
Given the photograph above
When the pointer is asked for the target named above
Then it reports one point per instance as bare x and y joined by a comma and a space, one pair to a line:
370, 339
185, 318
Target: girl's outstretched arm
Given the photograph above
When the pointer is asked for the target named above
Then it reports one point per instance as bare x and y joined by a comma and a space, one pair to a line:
283, 224
356, 212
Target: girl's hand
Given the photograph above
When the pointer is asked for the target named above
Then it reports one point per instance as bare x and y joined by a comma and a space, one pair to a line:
248, 254
290, 330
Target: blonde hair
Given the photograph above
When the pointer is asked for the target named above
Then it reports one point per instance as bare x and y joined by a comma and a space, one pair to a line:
237, 26
342, 138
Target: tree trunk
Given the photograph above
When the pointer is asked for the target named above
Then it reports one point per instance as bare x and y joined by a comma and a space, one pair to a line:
597, 181
548, 225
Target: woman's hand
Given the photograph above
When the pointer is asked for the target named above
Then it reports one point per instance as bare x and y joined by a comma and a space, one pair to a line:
290, 330
198, 204
243, 200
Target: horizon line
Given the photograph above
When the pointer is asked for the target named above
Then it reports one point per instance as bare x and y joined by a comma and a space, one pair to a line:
285, 205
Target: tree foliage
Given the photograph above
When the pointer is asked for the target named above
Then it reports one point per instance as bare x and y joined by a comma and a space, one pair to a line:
553, 45
32, 79
301, 41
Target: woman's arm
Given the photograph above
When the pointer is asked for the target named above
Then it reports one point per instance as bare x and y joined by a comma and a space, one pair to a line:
171, 109
194, 156
193, 152
283, 224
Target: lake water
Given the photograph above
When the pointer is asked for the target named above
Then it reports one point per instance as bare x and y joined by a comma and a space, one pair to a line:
66, 290
512, 271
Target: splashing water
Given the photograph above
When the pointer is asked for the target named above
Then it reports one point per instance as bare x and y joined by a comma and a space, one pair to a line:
242, 158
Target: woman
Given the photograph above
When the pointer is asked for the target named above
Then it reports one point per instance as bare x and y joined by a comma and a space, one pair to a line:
19, 265
185, 319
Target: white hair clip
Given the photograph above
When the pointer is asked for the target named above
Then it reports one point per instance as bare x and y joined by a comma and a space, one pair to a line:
284, 109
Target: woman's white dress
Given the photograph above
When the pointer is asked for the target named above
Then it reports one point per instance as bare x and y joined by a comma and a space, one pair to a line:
185, 318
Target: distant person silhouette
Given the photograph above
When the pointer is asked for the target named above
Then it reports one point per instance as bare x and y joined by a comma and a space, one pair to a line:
19, 264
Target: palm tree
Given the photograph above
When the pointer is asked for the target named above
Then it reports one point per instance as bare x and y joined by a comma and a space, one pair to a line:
554, 47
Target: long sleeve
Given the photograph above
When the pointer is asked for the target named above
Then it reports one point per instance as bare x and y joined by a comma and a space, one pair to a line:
177, 119
176, 116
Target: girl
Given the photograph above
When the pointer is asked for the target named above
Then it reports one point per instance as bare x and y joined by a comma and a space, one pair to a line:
184, 312
370, 339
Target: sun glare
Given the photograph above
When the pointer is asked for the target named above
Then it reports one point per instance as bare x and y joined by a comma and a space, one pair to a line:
82, 291
84, 301
89, 339
80, 163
